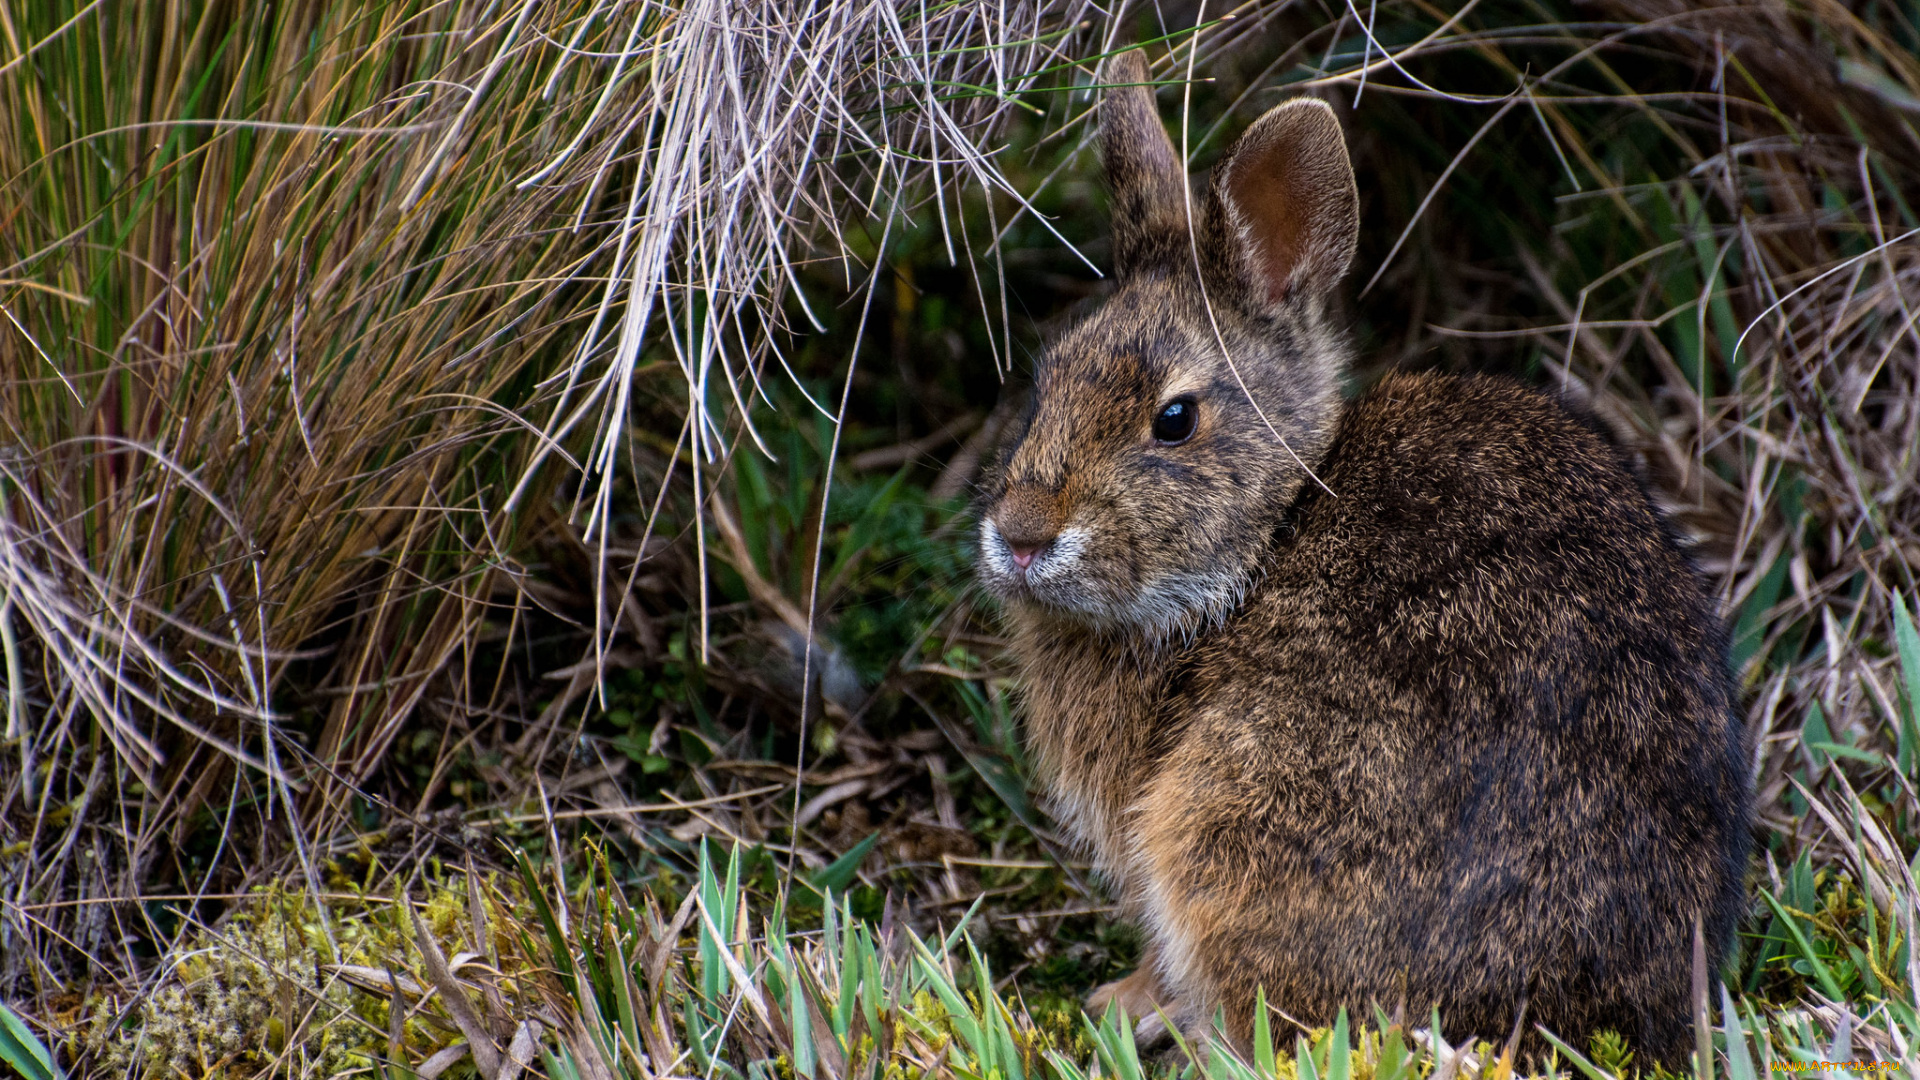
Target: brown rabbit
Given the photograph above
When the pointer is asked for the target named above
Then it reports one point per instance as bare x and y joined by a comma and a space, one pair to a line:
1412, 699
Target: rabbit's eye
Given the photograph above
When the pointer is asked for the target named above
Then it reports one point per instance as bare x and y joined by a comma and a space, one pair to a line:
1174, 425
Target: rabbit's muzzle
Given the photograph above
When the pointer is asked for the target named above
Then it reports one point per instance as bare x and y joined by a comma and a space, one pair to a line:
1029, 564
1027, 520
1029, 552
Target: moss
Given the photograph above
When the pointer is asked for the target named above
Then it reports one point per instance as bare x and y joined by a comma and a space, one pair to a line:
259, 993
229, 1004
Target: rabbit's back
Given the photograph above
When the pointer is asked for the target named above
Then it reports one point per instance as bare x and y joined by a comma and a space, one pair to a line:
1470, 742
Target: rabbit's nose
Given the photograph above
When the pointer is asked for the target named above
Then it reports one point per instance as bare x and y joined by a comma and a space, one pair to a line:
1024, 554
1026, 539
1028, 518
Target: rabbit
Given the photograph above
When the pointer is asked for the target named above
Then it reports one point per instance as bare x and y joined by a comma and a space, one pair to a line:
1412, 701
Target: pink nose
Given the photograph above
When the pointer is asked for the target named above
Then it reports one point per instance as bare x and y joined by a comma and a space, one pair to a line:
1023, 555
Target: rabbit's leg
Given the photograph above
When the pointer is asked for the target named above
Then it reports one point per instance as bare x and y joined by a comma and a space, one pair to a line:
1141, 996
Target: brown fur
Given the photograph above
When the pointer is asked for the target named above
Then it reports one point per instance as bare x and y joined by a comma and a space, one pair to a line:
1413, 700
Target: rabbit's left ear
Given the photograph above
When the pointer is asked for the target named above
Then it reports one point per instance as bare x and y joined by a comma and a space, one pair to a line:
1284, 214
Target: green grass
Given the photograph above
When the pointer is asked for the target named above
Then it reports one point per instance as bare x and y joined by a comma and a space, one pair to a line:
739, 983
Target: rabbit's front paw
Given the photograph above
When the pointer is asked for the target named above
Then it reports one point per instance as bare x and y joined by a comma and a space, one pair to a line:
1141, 997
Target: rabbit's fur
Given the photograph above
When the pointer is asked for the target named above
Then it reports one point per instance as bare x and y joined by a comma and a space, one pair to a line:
1409, 701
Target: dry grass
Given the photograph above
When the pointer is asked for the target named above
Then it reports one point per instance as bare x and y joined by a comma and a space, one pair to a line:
302, 316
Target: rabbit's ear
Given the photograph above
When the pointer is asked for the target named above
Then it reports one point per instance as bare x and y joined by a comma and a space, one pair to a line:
1147, 178
1284, 215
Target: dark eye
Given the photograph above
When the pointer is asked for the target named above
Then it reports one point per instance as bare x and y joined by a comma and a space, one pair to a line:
1174, 425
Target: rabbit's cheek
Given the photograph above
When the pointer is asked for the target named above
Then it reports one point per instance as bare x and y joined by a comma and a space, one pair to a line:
1187, 599
1056, 565
997, 566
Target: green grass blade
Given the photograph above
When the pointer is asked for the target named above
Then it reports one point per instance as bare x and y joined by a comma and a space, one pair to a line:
1063, 1067
1005, 1053
1395, 1062
732, 901
852, 979
1592, 1071
1833, 749
1829, 985
562, 956
23, 1051
626, 994
870, 976
713, 970
1264, 1061
966, 1027
561, 1067
1750, 631
1739, 1060
798, 1020
1220, 1063
1340, 1053
1304, 1067
838, 874
1112, 1038
959, 928
1907, 641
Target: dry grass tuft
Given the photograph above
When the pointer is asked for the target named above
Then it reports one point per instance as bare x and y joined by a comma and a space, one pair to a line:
304, 316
